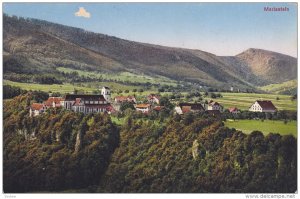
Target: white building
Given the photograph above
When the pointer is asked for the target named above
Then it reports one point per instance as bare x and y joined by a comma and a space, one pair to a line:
263, 106
215, 106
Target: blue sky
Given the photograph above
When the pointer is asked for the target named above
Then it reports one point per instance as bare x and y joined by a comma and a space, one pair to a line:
219, 28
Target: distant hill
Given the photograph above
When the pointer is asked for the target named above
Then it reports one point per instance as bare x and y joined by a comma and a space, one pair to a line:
34, 46
271, 66
287, 88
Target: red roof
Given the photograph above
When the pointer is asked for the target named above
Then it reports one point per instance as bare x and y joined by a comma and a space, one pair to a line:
56, 100
266, 105
233, 109
158, 108
125, 98
186, 109
121, 98
143, 105
193, 106
37, 106
111, 109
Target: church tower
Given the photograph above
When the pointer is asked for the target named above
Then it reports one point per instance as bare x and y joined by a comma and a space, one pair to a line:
106, 93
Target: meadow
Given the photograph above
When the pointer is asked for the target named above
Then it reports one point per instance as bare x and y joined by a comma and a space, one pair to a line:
244, 100
88, 87
266, 126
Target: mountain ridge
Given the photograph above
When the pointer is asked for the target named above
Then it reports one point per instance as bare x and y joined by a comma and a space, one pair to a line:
46, 44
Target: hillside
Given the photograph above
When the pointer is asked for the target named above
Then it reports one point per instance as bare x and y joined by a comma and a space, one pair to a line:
288, 87
71, 152
34, 47
271, 66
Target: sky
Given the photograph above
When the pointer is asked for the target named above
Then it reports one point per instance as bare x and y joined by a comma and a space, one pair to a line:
223, 29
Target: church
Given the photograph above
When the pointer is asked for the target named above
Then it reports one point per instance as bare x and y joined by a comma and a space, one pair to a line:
89, 103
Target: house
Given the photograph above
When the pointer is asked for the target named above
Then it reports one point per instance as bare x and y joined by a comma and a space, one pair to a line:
144, 108
152, 98
178, 110
36, 109
120, 99
183, 108
212, 105
233, 110
53, 102
263, 106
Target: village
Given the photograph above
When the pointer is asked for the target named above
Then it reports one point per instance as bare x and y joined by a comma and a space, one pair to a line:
103, 103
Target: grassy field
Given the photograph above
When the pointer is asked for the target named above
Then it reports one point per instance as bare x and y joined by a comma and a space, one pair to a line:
277, 88
123, 76
267, 126
244, 100
68, 88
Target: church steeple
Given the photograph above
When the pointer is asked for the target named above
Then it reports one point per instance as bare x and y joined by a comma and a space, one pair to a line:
105, 91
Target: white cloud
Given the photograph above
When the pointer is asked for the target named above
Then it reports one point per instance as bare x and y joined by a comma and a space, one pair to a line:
82, 13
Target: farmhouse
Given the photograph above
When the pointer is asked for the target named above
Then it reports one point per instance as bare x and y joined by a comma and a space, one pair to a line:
212, 106
120, 99
54, 102
51, 102
144, 108
152, 98
263, 106
36, 109
183, 108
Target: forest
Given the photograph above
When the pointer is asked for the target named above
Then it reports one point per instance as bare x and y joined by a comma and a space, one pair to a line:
62, 151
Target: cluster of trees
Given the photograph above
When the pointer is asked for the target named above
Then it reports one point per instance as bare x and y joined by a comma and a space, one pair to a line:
127, 109
159, 158
32, 78
46, 79
58, 150
13, 91
215, 95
